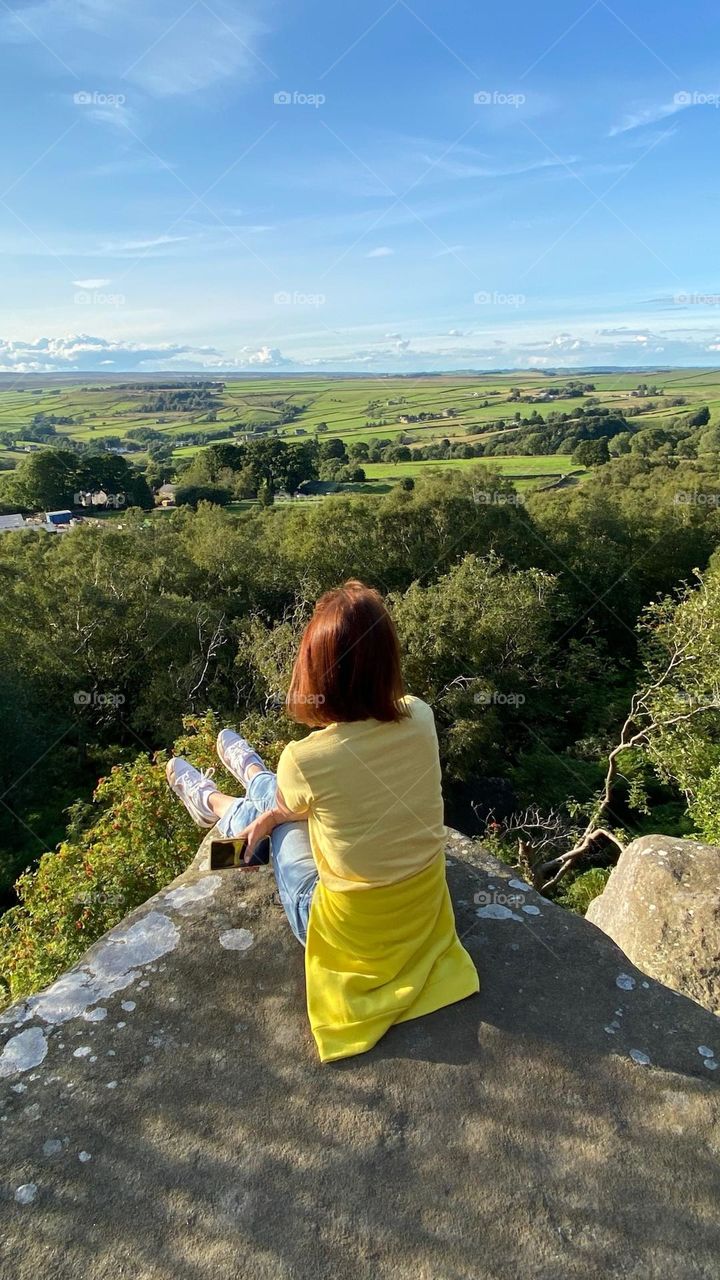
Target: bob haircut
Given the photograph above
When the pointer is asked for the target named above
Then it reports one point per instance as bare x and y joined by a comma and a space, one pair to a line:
348, 664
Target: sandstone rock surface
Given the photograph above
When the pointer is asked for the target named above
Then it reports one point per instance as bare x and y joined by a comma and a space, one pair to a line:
662, 906
163, 1115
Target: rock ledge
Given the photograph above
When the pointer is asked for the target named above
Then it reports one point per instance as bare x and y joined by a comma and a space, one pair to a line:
163, 1114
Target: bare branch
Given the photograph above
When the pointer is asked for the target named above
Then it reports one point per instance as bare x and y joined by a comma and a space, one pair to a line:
215, 643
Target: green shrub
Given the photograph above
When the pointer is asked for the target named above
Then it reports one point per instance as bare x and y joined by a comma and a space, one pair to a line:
190, 495
588, 885
134, 839
705, 807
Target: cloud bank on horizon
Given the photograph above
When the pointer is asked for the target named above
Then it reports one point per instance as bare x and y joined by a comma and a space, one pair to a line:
380, 189
87, 353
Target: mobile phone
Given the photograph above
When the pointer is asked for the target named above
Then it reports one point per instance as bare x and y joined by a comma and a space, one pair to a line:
231, 853
227, 853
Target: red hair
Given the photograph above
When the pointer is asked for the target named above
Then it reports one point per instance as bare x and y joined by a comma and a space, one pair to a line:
348, 664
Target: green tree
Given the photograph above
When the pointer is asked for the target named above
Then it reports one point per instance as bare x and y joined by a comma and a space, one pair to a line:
191, 495
500, 621
333, 448
620, 444
709, 441
46, 480
299, 462
592, 453
700, 417
673, 723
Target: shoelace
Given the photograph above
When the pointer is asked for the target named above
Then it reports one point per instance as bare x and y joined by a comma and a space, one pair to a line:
194, 786
242, 756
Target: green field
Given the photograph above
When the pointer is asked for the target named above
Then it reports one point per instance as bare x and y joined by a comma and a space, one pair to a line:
529, 468
465, 406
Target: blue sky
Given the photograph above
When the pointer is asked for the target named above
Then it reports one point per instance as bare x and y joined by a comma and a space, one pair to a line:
366, 187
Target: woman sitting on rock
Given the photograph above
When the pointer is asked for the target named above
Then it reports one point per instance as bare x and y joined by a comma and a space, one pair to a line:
355, 820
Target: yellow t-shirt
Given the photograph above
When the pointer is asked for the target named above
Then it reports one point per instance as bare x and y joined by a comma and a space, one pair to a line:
372, 795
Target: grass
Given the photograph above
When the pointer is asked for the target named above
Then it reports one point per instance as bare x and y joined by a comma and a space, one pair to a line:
555, 465
356, 409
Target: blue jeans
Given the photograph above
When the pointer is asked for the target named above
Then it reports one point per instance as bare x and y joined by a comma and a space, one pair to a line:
292, 859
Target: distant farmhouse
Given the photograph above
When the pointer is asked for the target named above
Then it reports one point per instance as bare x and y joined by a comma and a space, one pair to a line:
427, 417
166, 495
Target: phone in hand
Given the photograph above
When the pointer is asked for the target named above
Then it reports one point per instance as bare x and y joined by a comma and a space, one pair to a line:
231, 853
227, 853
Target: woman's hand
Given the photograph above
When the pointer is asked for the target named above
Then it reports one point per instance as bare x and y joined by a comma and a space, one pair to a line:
261, 827
259, 830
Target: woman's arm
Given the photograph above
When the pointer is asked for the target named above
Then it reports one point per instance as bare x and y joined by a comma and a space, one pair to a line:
262, 826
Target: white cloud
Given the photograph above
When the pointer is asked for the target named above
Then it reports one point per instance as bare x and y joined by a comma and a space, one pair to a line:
118, 117
85, 352
654, 138
517, 348
266, 357
648, 115
475, 168
562, 342
94, 283
133, 246
131, 163
158, 47
619, 346
381, 252
627, 335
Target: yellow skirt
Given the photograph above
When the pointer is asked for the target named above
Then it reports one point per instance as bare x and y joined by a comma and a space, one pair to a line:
379, 956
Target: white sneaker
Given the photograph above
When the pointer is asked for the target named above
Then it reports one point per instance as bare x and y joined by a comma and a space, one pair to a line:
236, 754
193, 788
